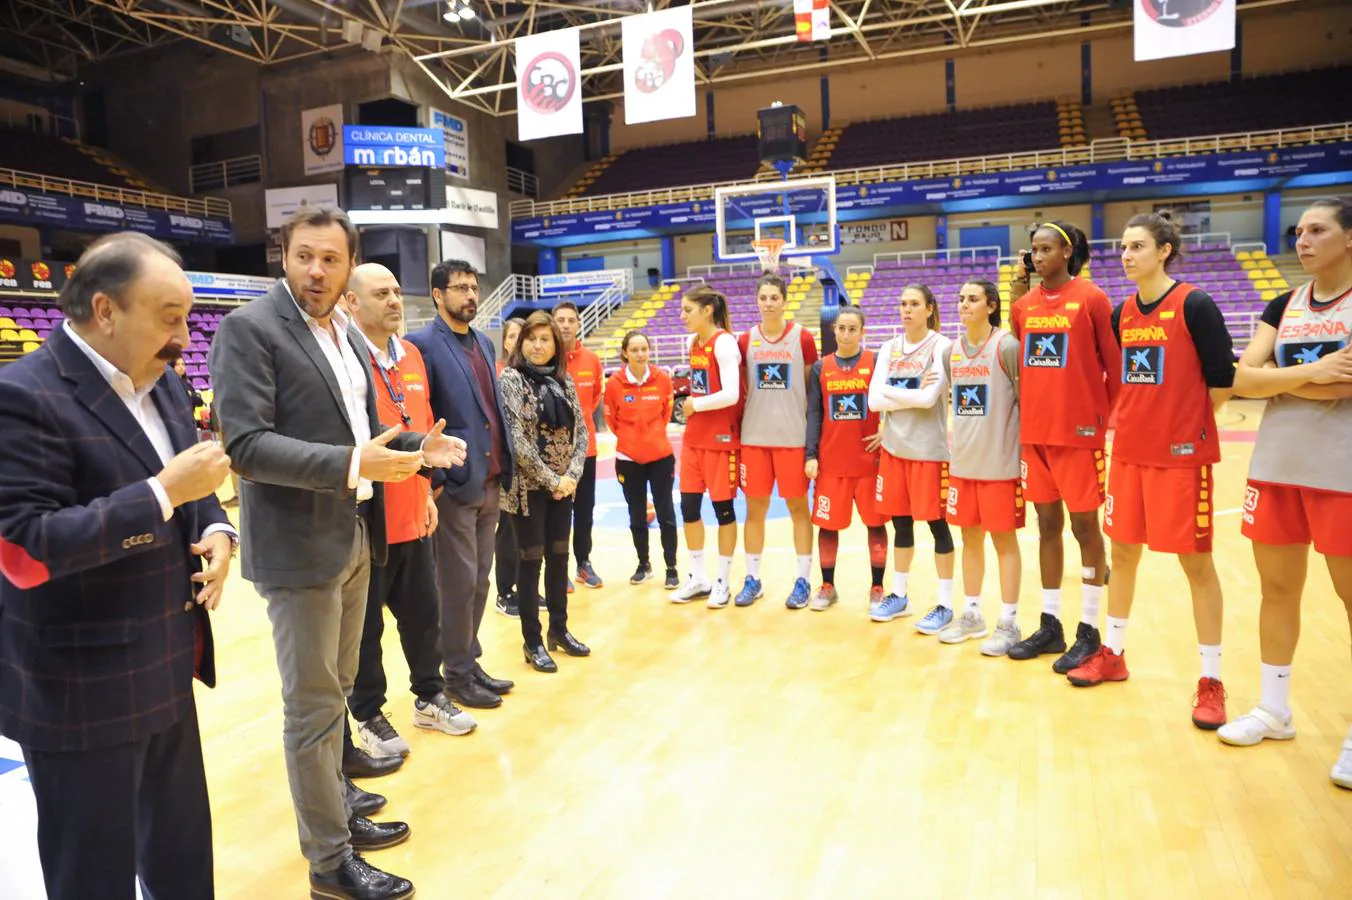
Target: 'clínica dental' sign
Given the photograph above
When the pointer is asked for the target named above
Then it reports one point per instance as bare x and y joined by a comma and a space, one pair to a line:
384, 146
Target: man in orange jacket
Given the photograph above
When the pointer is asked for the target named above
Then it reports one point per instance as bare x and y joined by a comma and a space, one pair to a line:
584, 367
407, 582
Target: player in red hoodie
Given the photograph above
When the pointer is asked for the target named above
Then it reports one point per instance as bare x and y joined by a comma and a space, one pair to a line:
637, 402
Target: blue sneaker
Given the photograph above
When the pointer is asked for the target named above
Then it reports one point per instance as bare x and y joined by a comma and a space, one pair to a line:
935, 621
798, 598
751, 592
892, 607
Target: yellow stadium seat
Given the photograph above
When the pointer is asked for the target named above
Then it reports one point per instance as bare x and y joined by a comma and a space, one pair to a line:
30, 346
1271, 273
8, 334
1268, 295
1262, 284
1248, 264
1244, 254
28, 334
7, 322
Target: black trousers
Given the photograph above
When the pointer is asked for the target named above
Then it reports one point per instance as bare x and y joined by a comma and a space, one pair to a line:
504, 557
542, 538
109, 816
635, 481
407, 584
583, 502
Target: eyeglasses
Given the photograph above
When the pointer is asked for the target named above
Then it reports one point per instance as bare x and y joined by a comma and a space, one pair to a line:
462, 289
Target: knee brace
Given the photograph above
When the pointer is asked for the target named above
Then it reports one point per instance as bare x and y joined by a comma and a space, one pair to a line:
690, 507
724, 512
943, 537
903, 532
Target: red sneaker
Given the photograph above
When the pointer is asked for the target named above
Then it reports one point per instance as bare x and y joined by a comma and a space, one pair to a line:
1208, 707
1104, 665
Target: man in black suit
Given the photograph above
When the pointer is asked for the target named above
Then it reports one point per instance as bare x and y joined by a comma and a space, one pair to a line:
107, 511
297, 405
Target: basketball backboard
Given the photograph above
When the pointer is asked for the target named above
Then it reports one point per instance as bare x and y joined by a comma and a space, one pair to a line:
801, 212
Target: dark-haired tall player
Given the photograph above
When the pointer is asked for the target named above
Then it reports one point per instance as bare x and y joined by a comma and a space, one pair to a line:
1068, 381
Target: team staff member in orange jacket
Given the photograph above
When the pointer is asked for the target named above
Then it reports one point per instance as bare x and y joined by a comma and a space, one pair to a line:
584, 367
407, 581
638, 402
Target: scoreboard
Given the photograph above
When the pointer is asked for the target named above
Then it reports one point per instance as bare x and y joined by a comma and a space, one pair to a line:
782, 131
399, 188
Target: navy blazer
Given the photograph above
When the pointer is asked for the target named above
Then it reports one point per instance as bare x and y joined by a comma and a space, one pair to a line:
98, 627
450, 382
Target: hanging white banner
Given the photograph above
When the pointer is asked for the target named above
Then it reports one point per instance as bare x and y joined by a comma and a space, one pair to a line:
1166, 28
321, 131
548, 85
659, 65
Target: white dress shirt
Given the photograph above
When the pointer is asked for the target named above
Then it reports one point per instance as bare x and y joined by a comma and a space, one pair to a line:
142, 409
349, 373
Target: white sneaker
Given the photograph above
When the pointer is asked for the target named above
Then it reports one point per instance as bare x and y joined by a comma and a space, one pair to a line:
719, 596
1007, 634
380, 739
440, 714
1257, 725
1342, 769
970, 624
695, 586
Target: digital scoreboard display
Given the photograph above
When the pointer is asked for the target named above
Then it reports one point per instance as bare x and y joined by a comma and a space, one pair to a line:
782, 131
395, 189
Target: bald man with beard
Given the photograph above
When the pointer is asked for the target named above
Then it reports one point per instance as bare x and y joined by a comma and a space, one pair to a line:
407, 582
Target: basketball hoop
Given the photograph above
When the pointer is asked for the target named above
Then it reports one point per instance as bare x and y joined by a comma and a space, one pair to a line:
768, 250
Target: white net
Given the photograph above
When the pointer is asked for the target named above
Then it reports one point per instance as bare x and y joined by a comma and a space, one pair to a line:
768, 250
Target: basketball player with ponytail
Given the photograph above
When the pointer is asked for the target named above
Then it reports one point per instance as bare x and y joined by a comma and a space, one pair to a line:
842, 454
910, 388
1069, 378
712, 437
984, 493
1178, 368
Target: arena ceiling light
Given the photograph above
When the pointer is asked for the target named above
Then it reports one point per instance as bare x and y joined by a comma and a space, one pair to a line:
457, 10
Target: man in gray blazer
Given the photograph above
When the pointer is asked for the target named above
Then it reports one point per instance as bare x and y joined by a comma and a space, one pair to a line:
298, 410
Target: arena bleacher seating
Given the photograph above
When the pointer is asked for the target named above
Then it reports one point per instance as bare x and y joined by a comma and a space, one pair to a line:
29, 151
677, 165
1253, 104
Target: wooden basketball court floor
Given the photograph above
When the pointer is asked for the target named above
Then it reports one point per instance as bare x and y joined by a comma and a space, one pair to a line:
764, 752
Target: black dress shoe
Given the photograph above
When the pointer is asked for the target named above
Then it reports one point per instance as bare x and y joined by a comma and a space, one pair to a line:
356, 879
469, 692
362, 803
358, 763
496, 685
571, 645
368, 835
539, 658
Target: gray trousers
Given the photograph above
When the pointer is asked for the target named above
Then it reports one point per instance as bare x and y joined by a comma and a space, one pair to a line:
317, 632
465, 540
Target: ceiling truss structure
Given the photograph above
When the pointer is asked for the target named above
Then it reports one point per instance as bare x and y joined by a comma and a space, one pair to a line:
471, 60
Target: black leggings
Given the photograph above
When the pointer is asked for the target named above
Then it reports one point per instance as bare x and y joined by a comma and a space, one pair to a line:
635, 480
584, 500
504, 561
542, 539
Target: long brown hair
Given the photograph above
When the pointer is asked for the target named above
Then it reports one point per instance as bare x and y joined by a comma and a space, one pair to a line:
541, 319
1163, 229
707, 297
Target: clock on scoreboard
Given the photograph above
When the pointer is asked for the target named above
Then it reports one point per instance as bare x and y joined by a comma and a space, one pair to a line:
396, 188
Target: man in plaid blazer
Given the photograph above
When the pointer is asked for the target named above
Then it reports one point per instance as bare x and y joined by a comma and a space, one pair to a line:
107, 513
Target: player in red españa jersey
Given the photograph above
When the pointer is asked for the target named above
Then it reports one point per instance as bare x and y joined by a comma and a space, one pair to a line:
1068, 380
1178, 367
842, 454
712, 437
1300, 482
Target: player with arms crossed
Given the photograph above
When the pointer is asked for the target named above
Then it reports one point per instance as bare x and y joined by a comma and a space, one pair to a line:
1300, 480
842, 454
1068, 382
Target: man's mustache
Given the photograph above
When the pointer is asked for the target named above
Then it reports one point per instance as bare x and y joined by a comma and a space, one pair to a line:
170, 353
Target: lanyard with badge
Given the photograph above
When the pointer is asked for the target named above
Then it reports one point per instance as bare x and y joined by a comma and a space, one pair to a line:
396, 396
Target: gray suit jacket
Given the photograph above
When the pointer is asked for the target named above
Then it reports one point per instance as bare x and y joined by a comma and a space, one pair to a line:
287, 433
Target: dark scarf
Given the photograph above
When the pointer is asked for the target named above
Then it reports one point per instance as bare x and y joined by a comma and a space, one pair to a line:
551, 400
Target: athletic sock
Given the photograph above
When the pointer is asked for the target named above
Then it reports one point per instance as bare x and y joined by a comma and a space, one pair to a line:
1051, 601
805, 567
1009, 612
753, 565
946, 593
973, 604
877, 573
697, 564
1211, 660
828, 574
1116, 634
724, 569
900, 581
1276, 695
1089, 608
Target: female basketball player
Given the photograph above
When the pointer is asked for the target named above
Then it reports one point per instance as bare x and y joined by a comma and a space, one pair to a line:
842, 454
1178, 367
1068, 381
638, 407
777, 354
910, 388
984, 494
1300, 482
709, 450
